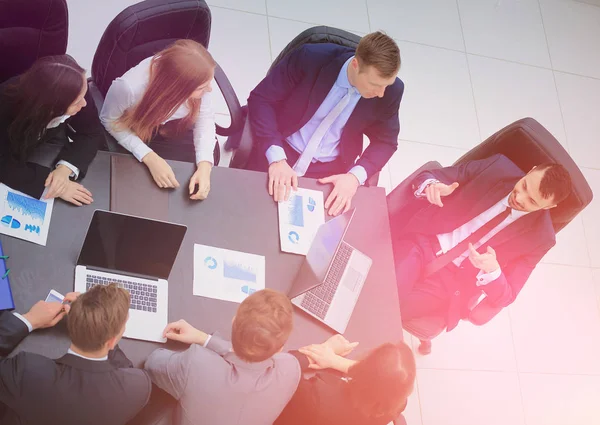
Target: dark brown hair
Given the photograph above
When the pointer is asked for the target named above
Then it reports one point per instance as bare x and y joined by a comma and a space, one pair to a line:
381, 382
262, 325
44, 92
97, 316
379, 51
555, 183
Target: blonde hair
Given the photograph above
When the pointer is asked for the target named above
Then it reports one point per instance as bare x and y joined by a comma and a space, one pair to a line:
175, 73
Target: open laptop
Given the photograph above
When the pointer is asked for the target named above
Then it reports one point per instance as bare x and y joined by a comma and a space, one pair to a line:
137, 254
332, 275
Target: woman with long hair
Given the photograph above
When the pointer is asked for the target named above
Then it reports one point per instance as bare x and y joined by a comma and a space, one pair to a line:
47, 104
370, 391
158, 103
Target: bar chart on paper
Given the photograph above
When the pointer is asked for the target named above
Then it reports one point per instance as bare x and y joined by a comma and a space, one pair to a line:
24, 217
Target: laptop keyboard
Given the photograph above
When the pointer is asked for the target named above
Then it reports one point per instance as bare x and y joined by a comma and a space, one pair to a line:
318, 300
143, 296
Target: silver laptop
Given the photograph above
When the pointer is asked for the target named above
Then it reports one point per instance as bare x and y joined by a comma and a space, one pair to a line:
137, 254
332, 275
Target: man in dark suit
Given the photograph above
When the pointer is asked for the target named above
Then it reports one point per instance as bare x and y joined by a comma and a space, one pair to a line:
511, 209
93, 384
309, 115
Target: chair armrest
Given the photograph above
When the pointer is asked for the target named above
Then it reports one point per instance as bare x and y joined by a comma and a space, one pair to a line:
483, 312
233, 104
110, 144
244, 143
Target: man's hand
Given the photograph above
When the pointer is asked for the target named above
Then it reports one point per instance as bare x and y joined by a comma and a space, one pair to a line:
340, 345
182, 331
282, 179
322, 356
162, 173
344, 188
435, 192
76, 194
57, 181
485, 262
201, 178
45, 315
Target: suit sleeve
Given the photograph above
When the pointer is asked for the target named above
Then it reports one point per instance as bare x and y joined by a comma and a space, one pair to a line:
26, 177
169, 370
275, 87
118, 358
87, 134
12, 332
383, 137
461, 174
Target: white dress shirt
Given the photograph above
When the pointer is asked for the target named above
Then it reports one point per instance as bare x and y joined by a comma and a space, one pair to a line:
450, 240
128, 90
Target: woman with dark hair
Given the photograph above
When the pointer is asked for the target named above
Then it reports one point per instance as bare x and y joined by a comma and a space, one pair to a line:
370, 391
48, 104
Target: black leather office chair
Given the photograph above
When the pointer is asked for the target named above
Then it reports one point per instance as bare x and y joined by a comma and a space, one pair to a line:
525, 142
241, 142
145, 28
30, 29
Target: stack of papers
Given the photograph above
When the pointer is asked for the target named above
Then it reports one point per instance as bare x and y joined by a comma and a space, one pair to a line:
299, 219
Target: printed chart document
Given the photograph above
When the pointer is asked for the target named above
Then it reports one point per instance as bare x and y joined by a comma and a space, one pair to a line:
299, 219
227, 275
24, 217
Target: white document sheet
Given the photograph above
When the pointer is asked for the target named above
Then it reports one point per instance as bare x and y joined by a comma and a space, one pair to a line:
227, 275
24, 217
299, 219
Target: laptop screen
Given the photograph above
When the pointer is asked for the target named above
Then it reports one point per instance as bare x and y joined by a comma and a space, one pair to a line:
133, 245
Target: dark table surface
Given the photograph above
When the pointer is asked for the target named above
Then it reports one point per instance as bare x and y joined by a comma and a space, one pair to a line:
238, 215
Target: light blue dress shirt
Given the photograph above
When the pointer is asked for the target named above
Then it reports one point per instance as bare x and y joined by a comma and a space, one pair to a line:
329, 148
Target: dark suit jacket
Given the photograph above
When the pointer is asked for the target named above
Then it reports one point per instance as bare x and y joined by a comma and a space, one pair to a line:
519, 246
293, 91
84, 129
324, 400
70, 390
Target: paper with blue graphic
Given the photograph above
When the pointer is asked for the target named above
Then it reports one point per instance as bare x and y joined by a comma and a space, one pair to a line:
24, 217
299, 219
227, 275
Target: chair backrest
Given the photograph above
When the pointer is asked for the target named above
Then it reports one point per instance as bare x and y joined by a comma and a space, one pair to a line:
314, 35
31, 29
144, 29
527, 143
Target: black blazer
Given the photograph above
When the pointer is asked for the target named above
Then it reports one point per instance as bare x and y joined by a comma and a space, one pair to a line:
289, 96
519, 246
68, 391
324, 400
84, 129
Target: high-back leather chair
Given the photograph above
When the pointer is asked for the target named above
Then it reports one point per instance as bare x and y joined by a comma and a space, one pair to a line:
526, 143
145, 28
30, 29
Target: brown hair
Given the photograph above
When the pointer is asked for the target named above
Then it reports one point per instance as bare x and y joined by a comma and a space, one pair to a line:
97, 316
379, 51
381, 382
44, 92
555, 183
262, 325
175, 73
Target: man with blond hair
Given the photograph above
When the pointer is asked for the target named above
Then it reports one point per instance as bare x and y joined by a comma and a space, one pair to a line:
93, 384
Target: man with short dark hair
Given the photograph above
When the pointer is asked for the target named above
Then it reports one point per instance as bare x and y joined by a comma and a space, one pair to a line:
495, 215
248, 381
309, 115
93, 384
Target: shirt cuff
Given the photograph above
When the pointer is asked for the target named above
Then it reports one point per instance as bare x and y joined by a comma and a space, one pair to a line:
419, 192
201, 156
24, 320
207, 340
275, 153
360, 173
141, 151
485, 278
74, 169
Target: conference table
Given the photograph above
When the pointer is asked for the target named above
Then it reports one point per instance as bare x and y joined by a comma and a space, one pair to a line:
238, 215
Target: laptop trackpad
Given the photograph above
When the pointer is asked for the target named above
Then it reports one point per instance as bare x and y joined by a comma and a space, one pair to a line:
353, 279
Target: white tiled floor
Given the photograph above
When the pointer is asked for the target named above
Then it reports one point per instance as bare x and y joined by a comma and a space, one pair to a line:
469, 67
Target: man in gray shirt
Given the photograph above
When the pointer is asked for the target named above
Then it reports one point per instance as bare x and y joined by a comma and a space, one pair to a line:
246, 381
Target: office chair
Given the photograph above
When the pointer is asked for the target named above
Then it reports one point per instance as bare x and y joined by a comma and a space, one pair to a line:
31, 29
145, 28
526, 143
241, 142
